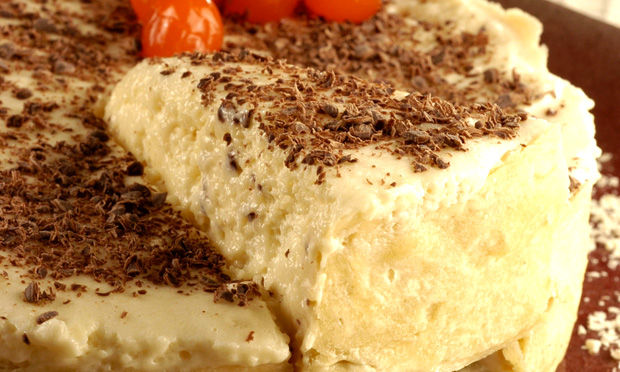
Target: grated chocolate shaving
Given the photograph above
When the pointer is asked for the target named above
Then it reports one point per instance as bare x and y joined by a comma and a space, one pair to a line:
32, 294
67, 206
317, 115
46, 316
239, 292
69, 212
385, 49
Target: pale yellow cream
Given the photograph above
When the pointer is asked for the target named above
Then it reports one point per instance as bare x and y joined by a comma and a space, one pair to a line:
160, 330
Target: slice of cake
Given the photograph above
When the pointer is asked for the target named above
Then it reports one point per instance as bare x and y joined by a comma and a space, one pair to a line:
465, 52
393, 231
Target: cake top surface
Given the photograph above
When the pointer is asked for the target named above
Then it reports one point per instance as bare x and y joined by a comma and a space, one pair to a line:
402, 51
316, 115
73, 202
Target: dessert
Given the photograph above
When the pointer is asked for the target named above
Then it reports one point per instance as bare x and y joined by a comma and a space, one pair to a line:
91, 259
259, 154
70, 56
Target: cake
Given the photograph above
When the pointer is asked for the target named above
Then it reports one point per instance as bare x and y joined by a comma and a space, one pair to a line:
259, 154
486, 299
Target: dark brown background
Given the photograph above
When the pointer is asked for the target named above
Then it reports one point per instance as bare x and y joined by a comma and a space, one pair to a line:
586, 52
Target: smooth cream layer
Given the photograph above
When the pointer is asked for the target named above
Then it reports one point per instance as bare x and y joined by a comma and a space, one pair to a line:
160, 330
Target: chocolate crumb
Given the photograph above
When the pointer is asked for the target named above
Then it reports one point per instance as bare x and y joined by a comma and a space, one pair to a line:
98, 135
78, 287
227, 138
7, 50
46, 316
330, 109
250, 337
63, 68
240, 292
574, 186
41, 272
135, 169
226, 111
15, 121
45, 25
232, 161
32, 294
491, 76
23, 93
159, 199
504, 101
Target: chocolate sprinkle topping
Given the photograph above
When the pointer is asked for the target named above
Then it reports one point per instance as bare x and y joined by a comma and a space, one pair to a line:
84, 205
67, 205
240, 292
23, 94
46, 316
387, 48
32, 293
318, 115
135, 169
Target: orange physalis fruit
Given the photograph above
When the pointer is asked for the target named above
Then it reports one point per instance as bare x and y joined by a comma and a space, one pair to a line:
143, 9
182, 26
261, 11
344, 10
